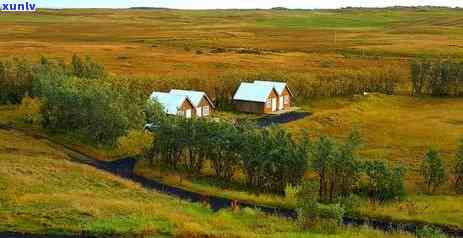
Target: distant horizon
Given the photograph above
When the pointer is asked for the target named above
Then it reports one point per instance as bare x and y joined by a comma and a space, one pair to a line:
239, 4
244, 9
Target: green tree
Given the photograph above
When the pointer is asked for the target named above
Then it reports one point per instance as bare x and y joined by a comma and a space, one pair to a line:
96, 110
272, 160
346, 168
459, 168
134, 143
315, 216
336, 165
86, 68
324, 155
384, 183
226, 143
433, 171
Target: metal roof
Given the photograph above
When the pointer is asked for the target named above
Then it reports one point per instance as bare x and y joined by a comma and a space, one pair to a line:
170, 102
194, 96
279, 86
253, 92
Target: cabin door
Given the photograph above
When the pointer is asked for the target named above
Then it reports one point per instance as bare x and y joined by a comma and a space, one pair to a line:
188, 113
199, 111
274, 104
282, 103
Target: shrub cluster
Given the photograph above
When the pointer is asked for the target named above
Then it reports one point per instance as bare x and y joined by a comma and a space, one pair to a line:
17, 76
94, 109
303, 86
458, 170
437, 77
269, 158
311, 214
336, 165
383, 183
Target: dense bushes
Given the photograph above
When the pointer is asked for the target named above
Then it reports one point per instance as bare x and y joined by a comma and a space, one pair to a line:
347, 83
268, 158
29, 110
94, 109
433, 171
75, 98
311, 214
383, 183
272, 160
86, 68
437, 77
304, 86
16, 77
336, 165
339, 172
430, 232
458, 170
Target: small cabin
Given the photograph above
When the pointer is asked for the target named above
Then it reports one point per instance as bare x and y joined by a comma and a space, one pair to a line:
202, 104
256, 98
174, 104
284, 93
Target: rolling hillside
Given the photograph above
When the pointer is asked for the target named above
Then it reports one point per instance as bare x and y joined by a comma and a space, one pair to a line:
42, 192
210, 43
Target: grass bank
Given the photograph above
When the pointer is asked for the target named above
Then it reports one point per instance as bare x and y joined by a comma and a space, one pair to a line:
42, 192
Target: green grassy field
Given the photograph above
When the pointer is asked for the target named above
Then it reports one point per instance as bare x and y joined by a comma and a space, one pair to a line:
43, 192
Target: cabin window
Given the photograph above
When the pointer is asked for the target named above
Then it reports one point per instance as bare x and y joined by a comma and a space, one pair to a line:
206, 110
198, 112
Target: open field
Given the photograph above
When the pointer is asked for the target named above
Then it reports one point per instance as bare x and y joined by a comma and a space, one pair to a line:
182, 43
42, 192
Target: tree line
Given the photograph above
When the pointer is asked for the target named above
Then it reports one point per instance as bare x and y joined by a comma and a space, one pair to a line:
304, 86
443, 77
17, 76
269, 158
75, 98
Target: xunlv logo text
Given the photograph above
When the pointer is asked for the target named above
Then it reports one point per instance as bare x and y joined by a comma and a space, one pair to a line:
18, 7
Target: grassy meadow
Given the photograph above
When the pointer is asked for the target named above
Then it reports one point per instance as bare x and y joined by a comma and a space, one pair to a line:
398, 129
180, 43
42, 192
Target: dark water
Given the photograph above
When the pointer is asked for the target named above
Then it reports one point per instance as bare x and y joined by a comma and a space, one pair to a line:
281, 119
124, 168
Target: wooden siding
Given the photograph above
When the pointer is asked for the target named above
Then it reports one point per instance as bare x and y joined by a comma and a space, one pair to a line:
287, 99
247, 106
257, 107
185, 106
204, 102
268, 108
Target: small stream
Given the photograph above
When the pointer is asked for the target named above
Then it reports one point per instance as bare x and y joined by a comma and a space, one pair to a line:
124, 168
